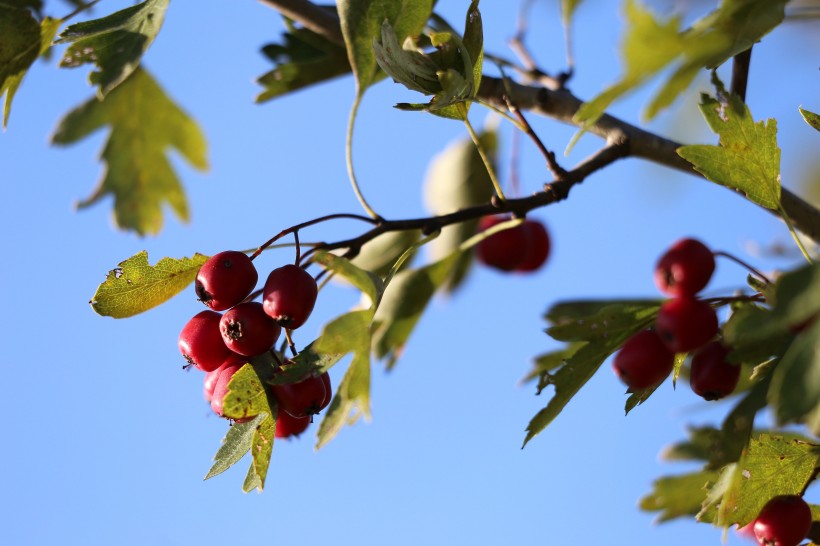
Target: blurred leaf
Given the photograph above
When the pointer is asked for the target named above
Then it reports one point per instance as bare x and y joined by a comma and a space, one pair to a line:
568, 8
367, 282
362, 21
610, 320
115, 44
308, 362
136, 286
564, 312
702, 445
303, 59
795, 390
754, 336
811, 118
235, 445
747, 159
738, 426
677, 496
457, 178
680, 358
145, 124
379, 254
474, 45
547, 362
24, 40
638, 397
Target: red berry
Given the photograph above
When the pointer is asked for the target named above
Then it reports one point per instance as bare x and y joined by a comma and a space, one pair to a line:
289, 296
226, 372
712, 377
538, 246
210, 383
685, 269
201, 343
643, 361
225, 279
784, 521
247, 330
503, 250
686, 323
288, 426
304, 398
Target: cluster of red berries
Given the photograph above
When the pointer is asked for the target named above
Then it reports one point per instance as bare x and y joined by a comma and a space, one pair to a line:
784, 521
684, 324
221, 343
523, 248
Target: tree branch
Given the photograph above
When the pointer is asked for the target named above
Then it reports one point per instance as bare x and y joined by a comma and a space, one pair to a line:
561, 105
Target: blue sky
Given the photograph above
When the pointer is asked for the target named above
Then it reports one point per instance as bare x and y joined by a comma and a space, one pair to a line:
107, 439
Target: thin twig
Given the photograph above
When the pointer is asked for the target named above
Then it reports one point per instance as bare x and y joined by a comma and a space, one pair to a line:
553, 166
737, 260
740, 73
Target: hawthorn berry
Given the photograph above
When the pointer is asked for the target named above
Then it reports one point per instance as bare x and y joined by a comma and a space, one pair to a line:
643, 361
289, 296
226, 372
685, 268
686, 323
503, 250
305, 398
225, 280
200, 341
210, 384
248, 330
712, 377
784, 521
538, 246
288, 426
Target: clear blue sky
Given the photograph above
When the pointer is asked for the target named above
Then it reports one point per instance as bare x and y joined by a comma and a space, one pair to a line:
107, 440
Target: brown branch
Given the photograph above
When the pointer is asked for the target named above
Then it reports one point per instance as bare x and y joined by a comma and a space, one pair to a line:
740, 73
562, 105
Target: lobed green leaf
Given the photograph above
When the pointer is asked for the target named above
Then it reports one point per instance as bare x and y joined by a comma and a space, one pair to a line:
136, 286
235, 445
611, 320
366, 281
678, 496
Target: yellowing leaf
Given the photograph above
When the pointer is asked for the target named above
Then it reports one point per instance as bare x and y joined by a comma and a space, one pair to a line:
115, 44
144, 124
136, 286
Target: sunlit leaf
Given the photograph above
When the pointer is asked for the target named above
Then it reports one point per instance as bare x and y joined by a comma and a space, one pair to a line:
115, 44
379, 254
136, 286
235, 445
677, 496
747, 159
811, 118
145, 125
364, 280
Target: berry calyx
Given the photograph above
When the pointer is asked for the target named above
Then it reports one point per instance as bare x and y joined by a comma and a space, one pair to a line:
288, 426
200, 342
225, 280
538, 246
248, 330
712, 377
784, 521
684, 269
305, 398
643, 361
289, 296
686, 323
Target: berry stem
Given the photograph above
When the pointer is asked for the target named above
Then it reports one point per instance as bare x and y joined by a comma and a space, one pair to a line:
349, 159
483, 153
737, 260
298, 247
290, 343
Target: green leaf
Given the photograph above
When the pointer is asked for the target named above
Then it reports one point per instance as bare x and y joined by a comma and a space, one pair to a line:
571, 311
410, 67
246, 395
364, 280
638, 397
568, 8
457, 178
144, 124
474, 45
545, 363
261, 450
303, 59
795, 390
307, 363
738, 426
25, 40
235, 445
361, 22
115, 44
136, 286
747, 159
773, 466
811, 118
613, 319
378, 255
677, 496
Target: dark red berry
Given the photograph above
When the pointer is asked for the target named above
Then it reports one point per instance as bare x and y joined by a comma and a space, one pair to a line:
685, 269
643, 361
289, 296
784, 521
538, 246
247, 330
686, 323
288, 426
305, 398
226, 372
503, 250
225, 279
201, 343
210, 383
711, 376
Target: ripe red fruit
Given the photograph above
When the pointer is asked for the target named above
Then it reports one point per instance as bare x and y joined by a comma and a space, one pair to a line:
210, 384
711, 376
503, 250
684, 269
247, 330
538, 246
225, 279
226, 372
784, 521
289, 296
200, 342
686, 323
288, 426
305, 398
643, 361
